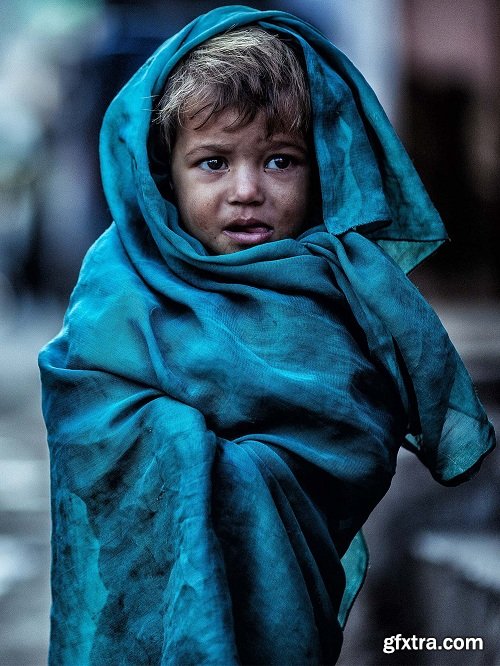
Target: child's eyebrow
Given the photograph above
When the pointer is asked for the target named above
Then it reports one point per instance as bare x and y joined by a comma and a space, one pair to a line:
270, 144
210, 148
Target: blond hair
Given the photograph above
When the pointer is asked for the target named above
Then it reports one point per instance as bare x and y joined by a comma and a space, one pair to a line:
248, 70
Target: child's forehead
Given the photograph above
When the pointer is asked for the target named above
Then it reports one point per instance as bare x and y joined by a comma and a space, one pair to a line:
227, 129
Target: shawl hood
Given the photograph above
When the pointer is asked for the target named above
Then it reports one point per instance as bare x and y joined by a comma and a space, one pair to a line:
367, 179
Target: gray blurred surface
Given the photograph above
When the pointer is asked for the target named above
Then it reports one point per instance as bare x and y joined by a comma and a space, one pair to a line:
24, 487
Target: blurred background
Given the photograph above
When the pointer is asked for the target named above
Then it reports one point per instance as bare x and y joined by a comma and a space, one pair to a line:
435, 552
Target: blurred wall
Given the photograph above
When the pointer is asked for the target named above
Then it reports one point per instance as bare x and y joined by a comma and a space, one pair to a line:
451, 126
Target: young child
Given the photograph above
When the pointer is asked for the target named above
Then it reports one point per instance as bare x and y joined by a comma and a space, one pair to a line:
242, 357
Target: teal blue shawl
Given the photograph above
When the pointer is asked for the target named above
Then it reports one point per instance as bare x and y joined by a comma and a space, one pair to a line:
220, 427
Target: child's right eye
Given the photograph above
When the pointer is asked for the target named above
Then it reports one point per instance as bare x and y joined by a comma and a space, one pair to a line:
212, 164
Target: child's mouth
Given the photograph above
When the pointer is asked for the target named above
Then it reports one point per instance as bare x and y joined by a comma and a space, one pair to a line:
249, 232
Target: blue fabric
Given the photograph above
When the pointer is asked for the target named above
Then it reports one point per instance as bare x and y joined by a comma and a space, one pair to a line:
221, 427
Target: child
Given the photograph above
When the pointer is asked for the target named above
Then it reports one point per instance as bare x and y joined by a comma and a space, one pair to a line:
242, 357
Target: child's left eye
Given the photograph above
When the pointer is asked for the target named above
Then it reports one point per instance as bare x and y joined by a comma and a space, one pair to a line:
279, 162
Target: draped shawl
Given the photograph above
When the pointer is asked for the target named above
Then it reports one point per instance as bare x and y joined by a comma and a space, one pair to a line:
220, 427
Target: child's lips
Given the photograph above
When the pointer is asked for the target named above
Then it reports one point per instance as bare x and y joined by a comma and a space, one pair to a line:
248, 231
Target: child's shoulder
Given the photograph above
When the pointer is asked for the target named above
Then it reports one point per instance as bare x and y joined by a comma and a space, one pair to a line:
108, 321
106, 268
110, 291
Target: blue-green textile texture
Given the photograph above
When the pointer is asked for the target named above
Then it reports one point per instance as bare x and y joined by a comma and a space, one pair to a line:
220, 427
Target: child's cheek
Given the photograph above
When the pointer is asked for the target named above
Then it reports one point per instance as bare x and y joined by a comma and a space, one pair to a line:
293, 206
199, 209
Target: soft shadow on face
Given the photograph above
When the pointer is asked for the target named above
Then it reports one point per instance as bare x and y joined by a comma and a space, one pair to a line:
236, 186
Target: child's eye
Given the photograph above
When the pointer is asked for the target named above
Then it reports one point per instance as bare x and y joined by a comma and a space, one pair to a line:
213, 164
279, 162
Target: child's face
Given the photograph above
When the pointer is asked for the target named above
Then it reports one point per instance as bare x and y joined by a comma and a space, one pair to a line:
236, 188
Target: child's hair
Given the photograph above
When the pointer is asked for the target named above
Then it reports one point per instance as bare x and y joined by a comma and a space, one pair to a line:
248, 70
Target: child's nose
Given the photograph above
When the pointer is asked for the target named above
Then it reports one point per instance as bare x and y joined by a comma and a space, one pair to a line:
246, 186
